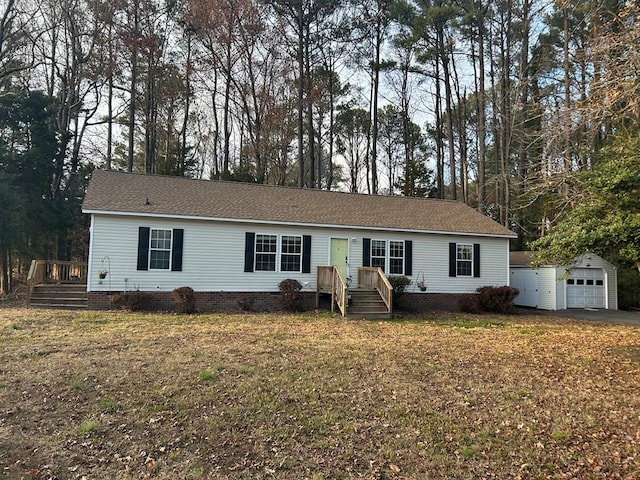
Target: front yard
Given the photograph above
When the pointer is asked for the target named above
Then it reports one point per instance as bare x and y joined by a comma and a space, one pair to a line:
106, 395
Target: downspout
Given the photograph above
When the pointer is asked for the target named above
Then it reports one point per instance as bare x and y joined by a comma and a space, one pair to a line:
90, 258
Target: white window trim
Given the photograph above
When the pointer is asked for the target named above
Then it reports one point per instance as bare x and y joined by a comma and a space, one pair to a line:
151, 230
463, 260
278, 252
387, 254
389, 257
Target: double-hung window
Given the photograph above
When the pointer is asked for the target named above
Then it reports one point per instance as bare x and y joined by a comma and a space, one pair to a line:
389, 255
271, 251
290, 253
266, 252
396, 257
464, 260
160, 249
379, 254
277, 253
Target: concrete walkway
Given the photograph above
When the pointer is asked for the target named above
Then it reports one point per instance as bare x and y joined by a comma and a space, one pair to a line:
593, 315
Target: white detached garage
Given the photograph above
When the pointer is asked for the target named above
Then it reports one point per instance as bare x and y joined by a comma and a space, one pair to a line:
592, 283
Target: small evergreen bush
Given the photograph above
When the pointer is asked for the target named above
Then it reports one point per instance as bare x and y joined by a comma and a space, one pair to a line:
497, 299
130, 301
290, 295
184, 299
400, 283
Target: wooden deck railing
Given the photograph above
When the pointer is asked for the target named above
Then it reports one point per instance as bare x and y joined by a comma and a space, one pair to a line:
329, 280
54, 271
374, 277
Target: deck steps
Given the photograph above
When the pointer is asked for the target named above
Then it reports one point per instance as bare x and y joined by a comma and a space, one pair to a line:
366, 303
69, 296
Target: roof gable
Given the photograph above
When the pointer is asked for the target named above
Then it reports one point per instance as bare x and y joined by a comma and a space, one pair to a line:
138, 194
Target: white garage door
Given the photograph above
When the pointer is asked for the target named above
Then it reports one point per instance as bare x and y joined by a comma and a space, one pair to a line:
585, 288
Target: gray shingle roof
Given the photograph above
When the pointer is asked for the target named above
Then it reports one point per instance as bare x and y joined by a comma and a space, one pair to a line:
127, 193
519, 259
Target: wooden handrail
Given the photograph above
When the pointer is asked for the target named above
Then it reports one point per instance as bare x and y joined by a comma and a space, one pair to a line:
374, 277
55, 271
329, 280
340, 291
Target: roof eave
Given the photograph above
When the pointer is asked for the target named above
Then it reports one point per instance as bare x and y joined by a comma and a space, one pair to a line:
277, 222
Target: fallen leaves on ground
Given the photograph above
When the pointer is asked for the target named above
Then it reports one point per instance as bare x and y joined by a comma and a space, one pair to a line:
112, 395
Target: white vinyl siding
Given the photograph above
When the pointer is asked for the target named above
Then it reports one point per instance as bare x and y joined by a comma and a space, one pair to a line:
214, 256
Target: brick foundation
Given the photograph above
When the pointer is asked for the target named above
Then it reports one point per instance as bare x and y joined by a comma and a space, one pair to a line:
425, 302
270, 301
210, 301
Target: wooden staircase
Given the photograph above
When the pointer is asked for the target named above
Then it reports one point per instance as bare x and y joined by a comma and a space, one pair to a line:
63, 295
370, 299
366, 303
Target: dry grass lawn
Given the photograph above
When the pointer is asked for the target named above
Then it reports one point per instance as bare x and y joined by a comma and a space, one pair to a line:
106, 395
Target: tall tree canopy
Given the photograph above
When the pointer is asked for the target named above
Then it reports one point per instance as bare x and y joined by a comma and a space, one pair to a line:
511, 107
606, 216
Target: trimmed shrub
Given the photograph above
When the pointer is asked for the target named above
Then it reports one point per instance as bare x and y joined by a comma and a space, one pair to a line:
497, 299
184, 299
469, 304
399, 284
130, 301
290, 295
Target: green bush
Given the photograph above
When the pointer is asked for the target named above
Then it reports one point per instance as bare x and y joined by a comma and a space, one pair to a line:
130, 301
184, 299
400, 283
628, 287
497, 299
290, 295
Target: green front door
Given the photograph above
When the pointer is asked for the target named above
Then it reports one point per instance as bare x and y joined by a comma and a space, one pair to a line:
340, 255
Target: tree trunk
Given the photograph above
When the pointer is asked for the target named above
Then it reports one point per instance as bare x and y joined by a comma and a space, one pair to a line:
438, 132
132, 88
374, 128
5, 286
482, 129
310, 134
226, 124
300, 106
567, 100
444, 56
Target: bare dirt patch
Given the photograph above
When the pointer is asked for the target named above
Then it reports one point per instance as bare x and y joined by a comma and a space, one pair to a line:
120, 396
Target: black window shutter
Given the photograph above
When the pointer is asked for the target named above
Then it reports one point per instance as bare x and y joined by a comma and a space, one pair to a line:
408, 258
476, 259
453, 257
306, 254
143, 248
366, 252
176, 251
249, 248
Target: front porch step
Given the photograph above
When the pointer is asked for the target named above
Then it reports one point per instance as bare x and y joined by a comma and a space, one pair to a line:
367, 303
59, 296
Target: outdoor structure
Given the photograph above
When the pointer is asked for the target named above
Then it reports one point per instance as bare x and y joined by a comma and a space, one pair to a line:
590, 283
233, 243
